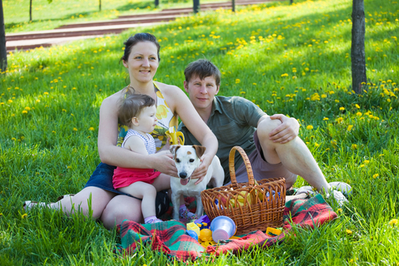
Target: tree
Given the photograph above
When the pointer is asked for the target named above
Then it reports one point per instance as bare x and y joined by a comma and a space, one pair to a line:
30, 10
196, 6
99, 5
358, 55
3, 49
49, 1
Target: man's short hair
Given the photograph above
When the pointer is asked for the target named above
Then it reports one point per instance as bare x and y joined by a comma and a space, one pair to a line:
202, 68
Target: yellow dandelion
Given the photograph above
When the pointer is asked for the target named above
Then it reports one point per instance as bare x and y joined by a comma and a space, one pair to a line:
342, 108
339, 119
45, 93
238, 81
393, 222
359, 114
324, 96
325, 118
284, 75
336, 100
339, 210
9, 101
91, 128
23, 216
53, 132
375, 176
315, 97
366, 161
75, 129
69, 167
357, 106
24, 112
349, 232
349, 128
309, 127
354, 146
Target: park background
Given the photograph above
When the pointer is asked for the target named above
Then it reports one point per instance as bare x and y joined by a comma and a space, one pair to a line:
289, 59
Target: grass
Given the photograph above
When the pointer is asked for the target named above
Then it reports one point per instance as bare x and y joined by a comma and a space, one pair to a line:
48, 16
293, 60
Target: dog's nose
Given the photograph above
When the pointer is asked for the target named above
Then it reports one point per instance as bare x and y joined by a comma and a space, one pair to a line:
183, 175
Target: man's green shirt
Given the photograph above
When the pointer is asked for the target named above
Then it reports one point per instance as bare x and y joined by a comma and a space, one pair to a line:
233, 120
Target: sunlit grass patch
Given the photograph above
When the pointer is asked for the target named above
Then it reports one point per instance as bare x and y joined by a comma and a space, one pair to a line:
293, 60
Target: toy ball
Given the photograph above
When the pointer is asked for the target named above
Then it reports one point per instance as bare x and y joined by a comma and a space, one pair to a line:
205, 235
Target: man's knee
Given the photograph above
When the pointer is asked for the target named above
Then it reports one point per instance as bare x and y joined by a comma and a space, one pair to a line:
265, 127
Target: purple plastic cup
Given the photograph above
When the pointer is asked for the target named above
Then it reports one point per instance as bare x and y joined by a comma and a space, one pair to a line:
222, 228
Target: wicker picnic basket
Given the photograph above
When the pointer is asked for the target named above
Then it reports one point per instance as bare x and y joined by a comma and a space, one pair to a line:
252, 205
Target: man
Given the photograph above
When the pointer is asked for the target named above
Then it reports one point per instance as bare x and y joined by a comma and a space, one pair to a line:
271, 142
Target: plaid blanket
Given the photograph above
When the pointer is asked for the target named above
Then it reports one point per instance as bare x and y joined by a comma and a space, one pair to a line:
170, 238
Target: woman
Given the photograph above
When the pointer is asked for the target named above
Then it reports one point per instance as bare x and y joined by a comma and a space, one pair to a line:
141, 58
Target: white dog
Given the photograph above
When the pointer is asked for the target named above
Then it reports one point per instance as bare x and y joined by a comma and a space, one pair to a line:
187, 159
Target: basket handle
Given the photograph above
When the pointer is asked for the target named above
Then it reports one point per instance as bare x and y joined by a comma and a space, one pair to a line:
247, 166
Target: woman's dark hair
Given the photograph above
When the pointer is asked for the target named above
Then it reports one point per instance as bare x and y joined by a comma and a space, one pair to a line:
139, 37
131, 106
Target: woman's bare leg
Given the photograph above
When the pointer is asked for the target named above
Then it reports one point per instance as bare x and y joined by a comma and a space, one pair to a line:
119, 208
94, 197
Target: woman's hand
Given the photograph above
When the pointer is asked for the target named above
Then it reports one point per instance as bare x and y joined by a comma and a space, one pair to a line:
164, 163
202, 169
285, 132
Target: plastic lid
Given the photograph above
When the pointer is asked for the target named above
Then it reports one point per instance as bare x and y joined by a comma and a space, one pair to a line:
219, 234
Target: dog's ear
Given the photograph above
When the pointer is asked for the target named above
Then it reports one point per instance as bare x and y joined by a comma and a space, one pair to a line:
199, 150
173, 149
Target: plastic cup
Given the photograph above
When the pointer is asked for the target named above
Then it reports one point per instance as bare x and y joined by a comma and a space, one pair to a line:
222, 228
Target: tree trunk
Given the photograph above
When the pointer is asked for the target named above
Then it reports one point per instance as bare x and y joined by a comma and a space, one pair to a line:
156, 3
99, 5
291, 1
30, 10
196, 6
3, 48
233, 5
358, 54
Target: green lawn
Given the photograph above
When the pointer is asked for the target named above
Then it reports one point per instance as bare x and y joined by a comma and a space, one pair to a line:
293, 60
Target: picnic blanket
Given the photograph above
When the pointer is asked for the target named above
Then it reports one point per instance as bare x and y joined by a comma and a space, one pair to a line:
170, 237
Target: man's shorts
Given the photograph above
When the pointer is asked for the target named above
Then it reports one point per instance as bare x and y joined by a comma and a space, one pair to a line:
262, 169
